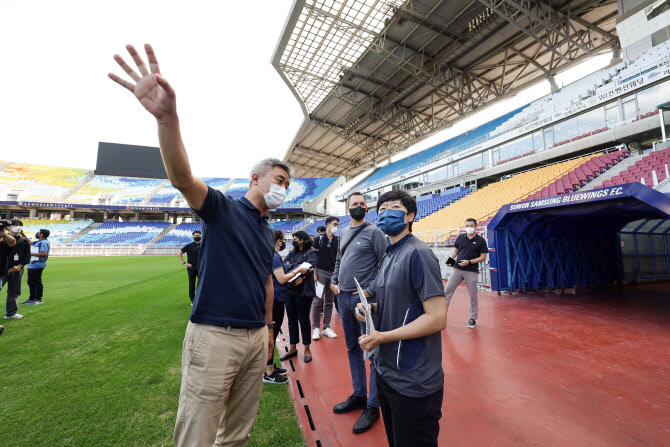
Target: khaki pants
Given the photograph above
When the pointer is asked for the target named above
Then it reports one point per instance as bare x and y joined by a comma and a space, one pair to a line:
470, 279
222, 376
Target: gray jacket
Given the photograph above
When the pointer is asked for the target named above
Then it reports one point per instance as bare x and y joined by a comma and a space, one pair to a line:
362, 258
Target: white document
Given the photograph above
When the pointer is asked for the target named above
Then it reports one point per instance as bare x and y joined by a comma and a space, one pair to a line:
369, 325
319, 289
34, 250
307, 265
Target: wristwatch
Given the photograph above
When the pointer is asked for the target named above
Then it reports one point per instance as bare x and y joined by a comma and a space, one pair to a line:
271, 325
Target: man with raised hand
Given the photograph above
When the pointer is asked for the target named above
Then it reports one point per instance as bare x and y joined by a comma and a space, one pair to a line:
227, 338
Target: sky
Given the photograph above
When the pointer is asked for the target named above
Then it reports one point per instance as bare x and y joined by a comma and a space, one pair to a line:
58, 103
234, 109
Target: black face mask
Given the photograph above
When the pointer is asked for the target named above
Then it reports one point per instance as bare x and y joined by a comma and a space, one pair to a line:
37, 235
282, 246
197, 238
357, 213
296, 245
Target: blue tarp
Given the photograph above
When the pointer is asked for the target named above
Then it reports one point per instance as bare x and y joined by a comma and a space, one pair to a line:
567, 240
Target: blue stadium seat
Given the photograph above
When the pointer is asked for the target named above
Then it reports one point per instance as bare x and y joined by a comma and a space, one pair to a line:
122, 233
180, 235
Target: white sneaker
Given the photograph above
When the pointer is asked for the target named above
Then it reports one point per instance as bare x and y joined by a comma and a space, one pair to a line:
13, 317
328, 332
315, 334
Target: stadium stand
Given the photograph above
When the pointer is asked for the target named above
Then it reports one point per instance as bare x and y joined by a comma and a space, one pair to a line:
238, 188
485, 202
216, 182
181, 235
643, 169
120, 189
38, 182
427, 205
456, 144
285, 226
303, 189
122, 233
61, 230
581, 175
165, 196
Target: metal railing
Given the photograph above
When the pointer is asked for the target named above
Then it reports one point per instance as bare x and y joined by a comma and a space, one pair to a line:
442, 243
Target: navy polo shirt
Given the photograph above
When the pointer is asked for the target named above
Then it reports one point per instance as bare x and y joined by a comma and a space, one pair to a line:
234, 264
408, 275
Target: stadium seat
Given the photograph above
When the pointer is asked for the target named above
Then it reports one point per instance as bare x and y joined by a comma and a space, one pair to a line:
120, 189
61, 230
36, 182
180, 235
485, 202
122, 233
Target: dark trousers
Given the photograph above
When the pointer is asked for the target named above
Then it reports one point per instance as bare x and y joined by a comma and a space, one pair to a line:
35, 283
297, 310
352, 330
410, 421
278, 318
13, 292
192, 277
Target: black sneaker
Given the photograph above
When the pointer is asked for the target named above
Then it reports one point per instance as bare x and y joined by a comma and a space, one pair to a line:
274, 378
367, 420
29, 302
39, 302
472, 324
352, 403
280, 371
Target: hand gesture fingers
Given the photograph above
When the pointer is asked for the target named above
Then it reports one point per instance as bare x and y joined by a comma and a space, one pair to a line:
122, 63
122, 82
153, 62
138, 60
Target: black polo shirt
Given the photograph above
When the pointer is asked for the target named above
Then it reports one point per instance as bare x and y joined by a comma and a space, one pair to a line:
327, 252
192, 250
469, 249
235, 263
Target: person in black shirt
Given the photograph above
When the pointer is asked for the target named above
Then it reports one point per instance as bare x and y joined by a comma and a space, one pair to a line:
18, 257
471, 250
192, 250
321, 230
300, 295
327, 245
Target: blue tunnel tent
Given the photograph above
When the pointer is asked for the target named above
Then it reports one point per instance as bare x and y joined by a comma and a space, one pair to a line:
570, 240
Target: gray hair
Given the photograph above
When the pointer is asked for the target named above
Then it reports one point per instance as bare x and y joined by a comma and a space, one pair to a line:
263, 167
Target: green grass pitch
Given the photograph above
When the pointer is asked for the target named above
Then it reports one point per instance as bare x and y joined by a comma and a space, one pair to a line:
98, 363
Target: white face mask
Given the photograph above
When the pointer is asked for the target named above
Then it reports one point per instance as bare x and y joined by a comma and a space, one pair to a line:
469, 230
275, 197
333, 230
16, 230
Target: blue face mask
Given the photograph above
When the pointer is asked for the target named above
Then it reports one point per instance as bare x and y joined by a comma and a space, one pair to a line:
392, 222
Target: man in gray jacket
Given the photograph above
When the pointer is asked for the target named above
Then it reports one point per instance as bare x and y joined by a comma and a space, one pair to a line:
362, 247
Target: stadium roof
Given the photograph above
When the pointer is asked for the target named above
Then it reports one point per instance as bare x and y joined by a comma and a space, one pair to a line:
373, 76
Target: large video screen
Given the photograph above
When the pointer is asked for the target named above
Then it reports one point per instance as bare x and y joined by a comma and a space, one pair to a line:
127, 160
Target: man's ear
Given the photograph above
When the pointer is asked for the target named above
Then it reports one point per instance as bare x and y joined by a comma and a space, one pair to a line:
254, 178
413, 216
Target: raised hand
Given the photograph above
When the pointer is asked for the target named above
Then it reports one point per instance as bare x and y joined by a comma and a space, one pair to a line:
151, 89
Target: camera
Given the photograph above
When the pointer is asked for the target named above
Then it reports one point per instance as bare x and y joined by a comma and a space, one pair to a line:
5, 224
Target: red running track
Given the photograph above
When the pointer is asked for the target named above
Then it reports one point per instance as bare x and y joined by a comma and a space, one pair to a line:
580, 369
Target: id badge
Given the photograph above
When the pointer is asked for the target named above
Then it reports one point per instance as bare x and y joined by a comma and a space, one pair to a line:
16, 257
